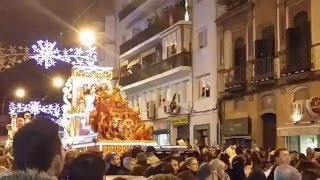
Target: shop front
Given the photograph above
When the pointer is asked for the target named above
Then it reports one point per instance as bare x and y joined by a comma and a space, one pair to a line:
180, 129
161, 132
237, 131
304, 131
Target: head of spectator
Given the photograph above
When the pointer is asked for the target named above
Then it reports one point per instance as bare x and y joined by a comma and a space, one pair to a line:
164, 177
128, 163
282, 156
219, 167
142, 158
205, 172
286, 172
87, 166
115, 160
192, 164
310, 174
163, 168
239, 151
304, 165
37, 150
174, 153
174, 161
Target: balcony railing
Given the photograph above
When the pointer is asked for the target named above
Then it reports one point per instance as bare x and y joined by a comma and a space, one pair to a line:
177, 60
263, 69
236, 78
128, 9
169, 17
296, 61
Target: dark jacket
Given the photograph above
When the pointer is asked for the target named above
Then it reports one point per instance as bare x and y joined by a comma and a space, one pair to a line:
271, 175
187, 175
113, 170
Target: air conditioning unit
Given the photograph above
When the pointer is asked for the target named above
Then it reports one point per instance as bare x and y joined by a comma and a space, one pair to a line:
151, 108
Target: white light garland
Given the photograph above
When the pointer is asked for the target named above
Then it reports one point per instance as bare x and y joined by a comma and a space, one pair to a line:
47, 54
35, 108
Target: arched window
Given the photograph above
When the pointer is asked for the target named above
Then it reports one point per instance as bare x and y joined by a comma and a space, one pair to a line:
301, 93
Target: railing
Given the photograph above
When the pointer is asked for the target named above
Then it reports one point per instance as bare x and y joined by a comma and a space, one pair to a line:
128, 9
177, 60
236, 77
263, 68
168, 17
296, 61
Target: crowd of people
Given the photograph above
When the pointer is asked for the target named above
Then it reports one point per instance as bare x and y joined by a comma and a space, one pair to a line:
38, 154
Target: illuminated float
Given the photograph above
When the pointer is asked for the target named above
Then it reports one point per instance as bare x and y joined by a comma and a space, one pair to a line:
98, 115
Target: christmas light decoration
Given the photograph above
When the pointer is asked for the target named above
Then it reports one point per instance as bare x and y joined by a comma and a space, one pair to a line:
35, 108
46, 54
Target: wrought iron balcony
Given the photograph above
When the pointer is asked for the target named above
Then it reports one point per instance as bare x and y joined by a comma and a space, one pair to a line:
263, 69
177, 60
236, 79
296, 61
128, 9
169, 17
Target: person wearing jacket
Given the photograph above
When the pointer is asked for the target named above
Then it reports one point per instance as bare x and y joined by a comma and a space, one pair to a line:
37, 151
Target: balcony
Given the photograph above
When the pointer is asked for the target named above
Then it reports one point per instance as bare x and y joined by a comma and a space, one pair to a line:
227, 9
159, 24
128, 9
264, 71
174, 67
236, 79
296, 61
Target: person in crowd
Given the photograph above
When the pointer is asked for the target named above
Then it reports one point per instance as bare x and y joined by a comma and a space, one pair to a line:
282, 157
151, 158
219, 167
293, 158
191, 168
141, 166
310, 174
256, 171
309, 153
316, 158
205, 172
37, 151
304, 165
87, 166
174, 153
237, 170
224, 157
128, 164
163, 168
139, 170
164, 177
286, 172
115, 165
135, 151
174, 161
302, 157
70, 156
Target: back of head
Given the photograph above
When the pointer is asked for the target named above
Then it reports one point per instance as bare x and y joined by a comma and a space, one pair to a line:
127, 163
36, 144
163, 168
87, 166
217, 165
239, 150
139, 170
255, 158
205, 171
174, 152
303, 165
164, 177
142, 158
150, 149
135, 151
310, 174
286, 172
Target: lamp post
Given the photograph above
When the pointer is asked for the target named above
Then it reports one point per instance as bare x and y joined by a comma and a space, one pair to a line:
19, 93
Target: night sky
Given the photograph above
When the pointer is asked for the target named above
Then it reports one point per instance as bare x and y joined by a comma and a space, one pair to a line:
23, 22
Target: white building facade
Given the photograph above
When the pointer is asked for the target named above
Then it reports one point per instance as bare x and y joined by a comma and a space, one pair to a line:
164, 72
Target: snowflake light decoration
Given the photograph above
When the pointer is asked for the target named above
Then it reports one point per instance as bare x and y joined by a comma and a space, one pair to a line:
35, 108
47, 54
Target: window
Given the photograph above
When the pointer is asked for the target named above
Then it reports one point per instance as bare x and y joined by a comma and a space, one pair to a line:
203, 38
204, 87
162, 139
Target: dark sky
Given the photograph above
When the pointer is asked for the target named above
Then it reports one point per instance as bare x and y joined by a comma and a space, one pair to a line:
23, 22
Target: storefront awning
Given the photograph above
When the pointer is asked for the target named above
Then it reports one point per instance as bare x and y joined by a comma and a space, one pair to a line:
296, 130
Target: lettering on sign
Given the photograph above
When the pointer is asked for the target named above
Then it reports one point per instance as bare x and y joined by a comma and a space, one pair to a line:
313, 106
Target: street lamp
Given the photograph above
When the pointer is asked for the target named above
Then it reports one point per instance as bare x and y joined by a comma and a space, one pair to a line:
20, 93
87, 37
57, 82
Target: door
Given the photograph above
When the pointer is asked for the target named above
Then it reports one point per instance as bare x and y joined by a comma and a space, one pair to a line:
269, 131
